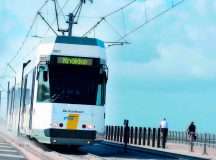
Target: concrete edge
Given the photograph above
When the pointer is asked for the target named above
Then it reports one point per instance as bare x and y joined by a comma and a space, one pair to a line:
159, 151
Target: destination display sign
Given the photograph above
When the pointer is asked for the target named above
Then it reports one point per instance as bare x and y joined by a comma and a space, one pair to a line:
75, 61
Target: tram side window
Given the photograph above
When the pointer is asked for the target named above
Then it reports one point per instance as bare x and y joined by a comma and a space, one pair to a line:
43, 92
101, 91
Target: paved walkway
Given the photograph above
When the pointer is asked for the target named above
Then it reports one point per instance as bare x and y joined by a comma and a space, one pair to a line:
198, 150
181, 149
8, 152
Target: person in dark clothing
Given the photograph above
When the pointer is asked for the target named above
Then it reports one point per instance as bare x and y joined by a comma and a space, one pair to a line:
192, 131
192, 134
164, 131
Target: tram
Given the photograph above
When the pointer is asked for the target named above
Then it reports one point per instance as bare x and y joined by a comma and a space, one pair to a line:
63, 92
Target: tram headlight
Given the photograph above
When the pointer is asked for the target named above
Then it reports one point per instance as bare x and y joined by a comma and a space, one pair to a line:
89, 126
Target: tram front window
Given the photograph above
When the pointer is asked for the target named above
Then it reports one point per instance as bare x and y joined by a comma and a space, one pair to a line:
75, 85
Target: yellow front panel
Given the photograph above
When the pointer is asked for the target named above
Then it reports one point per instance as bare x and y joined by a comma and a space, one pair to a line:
72, 121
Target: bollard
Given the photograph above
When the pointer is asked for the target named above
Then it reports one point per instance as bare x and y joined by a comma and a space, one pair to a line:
144, 136
153, 137
106, 132
118, 133
110, 132
158, 138
121, 133
131, 135
135, 135
149, 136
126, 134
115, 133
111, 135
140, 135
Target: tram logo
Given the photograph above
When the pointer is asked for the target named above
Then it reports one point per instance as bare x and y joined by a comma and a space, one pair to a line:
72, 121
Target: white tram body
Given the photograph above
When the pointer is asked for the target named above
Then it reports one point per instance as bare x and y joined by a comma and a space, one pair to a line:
63, 92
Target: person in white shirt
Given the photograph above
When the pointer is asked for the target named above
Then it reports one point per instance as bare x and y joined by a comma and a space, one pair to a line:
164, 131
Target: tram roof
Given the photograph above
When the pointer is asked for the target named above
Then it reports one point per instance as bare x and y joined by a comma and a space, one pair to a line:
79, 41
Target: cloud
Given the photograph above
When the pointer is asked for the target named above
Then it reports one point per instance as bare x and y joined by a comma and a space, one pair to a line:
174, 61
201, 6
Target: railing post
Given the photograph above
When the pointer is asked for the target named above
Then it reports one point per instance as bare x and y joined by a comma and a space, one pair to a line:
179, 137
186, 139
209, 140
182, 137
204, 147
176, 136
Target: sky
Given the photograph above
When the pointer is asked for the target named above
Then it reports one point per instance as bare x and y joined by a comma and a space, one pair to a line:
167, 70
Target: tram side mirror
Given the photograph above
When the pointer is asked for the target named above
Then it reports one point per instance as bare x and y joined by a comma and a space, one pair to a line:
103, 78
45, 76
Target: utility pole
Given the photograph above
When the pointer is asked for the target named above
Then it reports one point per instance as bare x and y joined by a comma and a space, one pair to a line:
21, 96
70, 24
8, 98
73, 18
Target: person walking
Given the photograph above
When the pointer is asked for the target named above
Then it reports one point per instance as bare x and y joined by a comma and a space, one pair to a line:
192, 134
164, 131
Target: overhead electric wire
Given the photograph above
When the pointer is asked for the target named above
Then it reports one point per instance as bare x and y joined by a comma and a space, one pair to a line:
109, 14
123, 7
114, 29
8, 64
61, 9
25, 39
46, 32
47, 23
151, 19
28, 33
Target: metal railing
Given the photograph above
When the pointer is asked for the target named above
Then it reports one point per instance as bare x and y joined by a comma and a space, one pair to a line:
204, 141
152, 137
183, 138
